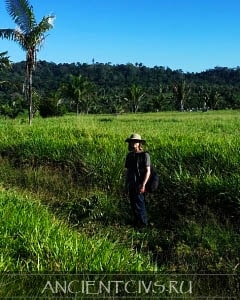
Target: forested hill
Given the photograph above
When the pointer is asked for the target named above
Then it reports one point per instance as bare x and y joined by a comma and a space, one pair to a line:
127, 87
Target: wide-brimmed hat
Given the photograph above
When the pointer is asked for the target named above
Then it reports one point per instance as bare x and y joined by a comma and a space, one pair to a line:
135, 137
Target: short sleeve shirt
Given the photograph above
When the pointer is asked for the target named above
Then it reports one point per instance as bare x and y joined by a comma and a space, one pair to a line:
136, 164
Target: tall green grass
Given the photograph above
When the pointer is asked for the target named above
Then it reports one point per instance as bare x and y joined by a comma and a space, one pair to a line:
32, 239
198, 142
75, 166
196, 150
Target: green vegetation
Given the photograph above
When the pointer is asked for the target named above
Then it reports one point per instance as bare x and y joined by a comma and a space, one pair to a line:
106, 88
64, 209
34, 240
29, 36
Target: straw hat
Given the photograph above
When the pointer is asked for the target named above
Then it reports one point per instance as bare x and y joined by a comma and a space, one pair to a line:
135, 137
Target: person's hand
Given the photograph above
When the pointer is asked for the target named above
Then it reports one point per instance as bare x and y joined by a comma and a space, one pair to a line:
125, 190
142, 189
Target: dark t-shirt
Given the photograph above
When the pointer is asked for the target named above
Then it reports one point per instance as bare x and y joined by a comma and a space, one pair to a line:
136, 164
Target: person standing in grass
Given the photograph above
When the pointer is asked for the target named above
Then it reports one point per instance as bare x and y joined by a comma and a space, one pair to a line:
137, 164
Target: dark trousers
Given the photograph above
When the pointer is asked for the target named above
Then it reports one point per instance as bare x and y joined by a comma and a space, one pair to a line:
137, 202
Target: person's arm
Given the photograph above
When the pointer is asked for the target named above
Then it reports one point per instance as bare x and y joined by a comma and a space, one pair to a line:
126, 182
145, 180
147, 174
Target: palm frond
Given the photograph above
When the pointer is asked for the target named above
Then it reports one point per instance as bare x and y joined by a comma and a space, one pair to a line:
13, 35
46, 23
22, 13
36, 36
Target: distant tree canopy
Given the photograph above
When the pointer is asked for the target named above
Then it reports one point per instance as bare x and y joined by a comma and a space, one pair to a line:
107, 88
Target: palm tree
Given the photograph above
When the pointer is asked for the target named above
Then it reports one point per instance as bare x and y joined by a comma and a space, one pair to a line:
78, 90
78, 85
181, 91
134, 96
29, 35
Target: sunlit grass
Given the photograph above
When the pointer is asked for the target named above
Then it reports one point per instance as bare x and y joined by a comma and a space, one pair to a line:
33, 240
75, 166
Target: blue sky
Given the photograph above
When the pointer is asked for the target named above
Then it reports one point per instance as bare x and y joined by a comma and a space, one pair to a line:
192, 35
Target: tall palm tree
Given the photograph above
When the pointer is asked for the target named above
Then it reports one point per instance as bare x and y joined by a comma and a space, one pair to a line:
29, 35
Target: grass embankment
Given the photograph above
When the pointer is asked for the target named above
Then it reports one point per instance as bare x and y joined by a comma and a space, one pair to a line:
75, 166
34, 240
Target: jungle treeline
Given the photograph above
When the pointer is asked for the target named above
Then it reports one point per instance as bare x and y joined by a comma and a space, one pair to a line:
108, 88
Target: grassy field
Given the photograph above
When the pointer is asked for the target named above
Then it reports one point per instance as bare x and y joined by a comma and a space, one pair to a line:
64, 207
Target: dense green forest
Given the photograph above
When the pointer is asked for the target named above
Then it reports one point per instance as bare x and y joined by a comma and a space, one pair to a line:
108, 88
